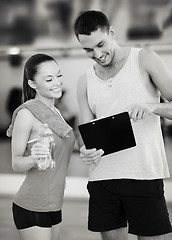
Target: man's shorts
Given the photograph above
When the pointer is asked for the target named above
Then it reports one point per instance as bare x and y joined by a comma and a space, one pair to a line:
24, 218
138, 204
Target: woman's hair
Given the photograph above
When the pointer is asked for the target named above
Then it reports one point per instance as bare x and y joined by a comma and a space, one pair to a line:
90, 21
30, 70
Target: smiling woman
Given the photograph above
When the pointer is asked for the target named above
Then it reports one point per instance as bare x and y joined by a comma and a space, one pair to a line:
48, 82
38, 203
41, 75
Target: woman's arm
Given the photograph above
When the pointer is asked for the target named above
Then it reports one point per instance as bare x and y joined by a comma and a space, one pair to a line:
21, 132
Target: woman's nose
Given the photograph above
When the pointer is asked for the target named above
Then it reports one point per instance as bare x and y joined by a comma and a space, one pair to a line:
58, 80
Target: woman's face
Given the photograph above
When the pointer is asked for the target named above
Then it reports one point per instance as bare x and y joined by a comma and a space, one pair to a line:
48, 80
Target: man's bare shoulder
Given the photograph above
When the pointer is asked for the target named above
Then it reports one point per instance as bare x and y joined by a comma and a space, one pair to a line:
148, 57
82, 81
82, 78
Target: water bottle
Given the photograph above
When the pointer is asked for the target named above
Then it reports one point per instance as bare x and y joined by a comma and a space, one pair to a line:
46, 137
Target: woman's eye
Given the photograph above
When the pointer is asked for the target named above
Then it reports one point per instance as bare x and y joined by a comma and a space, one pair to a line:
48, 80
60, 75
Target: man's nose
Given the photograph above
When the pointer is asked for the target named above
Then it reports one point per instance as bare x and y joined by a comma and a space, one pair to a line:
97, 53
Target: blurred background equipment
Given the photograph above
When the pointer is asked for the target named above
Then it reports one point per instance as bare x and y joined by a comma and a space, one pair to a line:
16, 22
14, 100
60, 16
23, 22
14, 56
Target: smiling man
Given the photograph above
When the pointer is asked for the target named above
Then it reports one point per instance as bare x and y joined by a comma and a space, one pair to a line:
126, 188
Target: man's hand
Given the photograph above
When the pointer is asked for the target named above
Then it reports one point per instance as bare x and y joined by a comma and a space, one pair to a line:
139, 112
89, 156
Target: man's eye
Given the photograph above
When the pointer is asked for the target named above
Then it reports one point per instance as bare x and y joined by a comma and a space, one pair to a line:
60, 75
88, 50
100, 45
48, 80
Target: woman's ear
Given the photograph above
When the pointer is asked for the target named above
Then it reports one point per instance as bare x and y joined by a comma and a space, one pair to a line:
32, 84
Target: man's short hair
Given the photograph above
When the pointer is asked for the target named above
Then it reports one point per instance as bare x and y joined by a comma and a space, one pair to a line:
90, 21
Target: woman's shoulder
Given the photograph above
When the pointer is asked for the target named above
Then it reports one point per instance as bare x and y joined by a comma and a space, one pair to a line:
24, 116
21, 118
24, 113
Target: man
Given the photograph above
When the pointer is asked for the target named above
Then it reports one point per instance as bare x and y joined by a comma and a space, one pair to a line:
124, 187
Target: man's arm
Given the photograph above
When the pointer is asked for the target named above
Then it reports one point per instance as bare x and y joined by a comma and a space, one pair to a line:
85, 115
161, 77
159, 73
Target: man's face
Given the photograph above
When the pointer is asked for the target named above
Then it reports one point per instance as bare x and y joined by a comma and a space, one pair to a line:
98, 46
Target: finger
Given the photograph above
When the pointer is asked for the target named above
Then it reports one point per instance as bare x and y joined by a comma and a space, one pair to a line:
140, 115
87, 163
96, 157
40, 147
95, 161
133, 114
91, 160
86, 160
87, 151
96, 154
144, 114
41, 156
40, 152
90, 152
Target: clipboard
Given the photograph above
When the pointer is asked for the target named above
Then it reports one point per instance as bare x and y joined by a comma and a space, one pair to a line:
112, 134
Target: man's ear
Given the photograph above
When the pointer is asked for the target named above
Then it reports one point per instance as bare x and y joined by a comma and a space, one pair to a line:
112, 32
32, 84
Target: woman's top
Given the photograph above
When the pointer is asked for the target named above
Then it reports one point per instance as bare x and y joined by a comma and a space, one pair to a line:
43, 190
147, 160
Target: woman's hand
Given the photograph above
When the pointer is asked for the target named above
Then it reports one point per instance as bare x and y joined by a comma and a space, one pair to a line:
90, 156
39, 150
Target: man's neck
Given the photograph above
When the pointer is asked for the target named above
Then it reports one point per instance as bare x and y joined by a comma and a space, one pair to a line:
118, 62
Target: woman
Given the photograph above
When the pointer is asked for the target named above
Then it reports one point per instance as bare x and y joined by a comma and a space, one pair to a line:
37, 205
